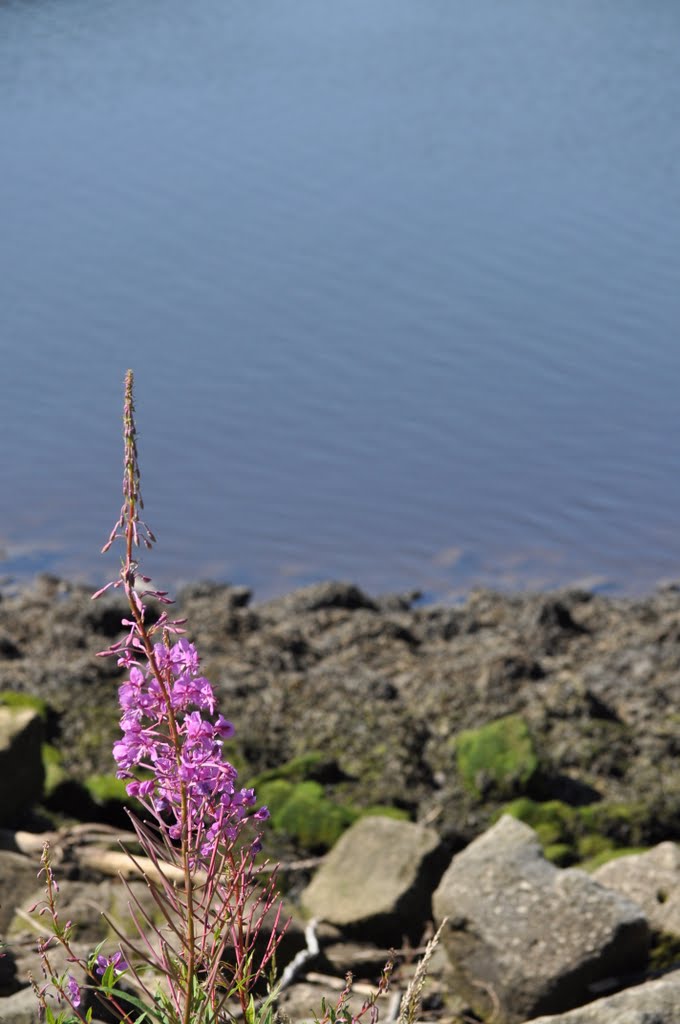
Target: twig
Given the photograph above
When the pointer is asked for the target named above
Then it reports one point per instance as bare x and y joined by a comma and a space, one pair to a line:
300, 959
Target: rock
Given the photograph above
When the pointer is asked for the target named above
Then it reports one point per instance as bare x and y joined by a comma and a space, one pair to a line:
21, 768
8, 973
302, 1002
655, 1002
20, 1008
652, 880
527, 935
18, 880
376, 882
319, 596
82, 903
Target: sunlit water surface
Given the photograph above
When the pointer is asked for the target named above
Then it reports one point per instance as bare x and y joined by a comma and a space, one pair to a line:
400, 281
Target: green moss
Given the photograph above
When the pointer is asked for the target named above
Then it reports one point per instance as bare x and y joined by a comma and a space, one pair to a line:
105, 788
296, 770
560, 854
53, 765
553, 822
274, 795
304, 813
592, 834
610, 853
384, 811
305, 810
497, 759
626, 824
11, 699
314, 821
665, 951
593, 845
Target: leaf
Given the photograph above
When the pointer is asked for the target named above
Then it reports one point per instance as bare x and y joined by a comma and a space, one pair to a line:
146, 1011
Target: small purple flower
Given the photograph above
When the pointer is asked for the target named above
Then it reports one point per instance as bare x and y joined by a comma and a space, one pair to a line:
72, 991
116, 961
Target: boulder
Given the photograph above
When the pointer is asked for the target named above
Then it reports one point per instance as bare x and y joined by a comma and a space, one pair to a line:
655, 1002
376, 882
525, 937
21, 767
20, 1008
652, 880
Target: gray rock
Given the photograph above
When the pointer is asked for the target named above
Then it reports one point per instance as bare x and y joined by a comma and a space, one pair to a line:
652, 880
376, 882
655, 1002
527, 936
20, 1008
81, 903
18, 879
21, 768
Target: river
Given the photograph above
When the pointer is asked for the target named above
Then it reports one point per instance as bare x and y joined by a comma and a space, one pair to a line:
399, 279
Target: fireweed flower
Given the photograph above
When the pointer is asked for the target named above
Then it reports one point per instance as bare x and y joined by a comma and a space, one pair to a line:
188, 768
72, 990
171, 754
170, 729
116, 961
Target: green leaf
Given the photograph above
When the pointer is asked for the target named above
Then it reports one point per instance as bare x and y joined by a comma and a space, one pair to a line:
111, 990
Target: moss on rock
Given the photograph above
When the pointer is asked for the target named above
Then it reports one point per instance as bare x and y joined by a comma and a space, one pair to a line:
53, 764
498, 759
12, 699
302, 811
589, 835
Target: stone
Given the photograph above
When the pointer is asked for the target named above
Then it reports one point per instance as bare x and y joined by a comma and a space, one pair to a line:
652, 880
18, 880
20, 1008
655, 1002
82, 903
526, 937
376, 882
21, 768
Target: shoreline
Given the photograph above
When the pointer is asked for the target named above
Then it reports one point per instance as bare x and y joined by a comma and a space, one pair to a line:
383, 689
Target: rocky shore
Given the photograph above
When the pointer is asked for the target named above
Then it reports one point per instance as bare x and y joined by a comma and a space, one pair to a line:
503, 763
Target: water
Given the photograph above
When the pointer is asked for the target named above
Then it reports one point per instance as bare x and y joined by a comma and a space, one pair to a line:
399, 280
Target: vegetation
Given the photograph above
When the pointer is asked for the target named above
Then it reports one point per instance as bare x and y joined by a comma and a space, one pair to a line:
498, 759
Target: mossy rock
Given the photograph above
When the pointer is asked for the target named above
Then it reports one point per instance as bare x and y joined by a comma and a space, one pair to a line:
384, 811
303, 812
498, 760
665, 951
101, 797
610, 853
559, 854
625, 824
593, 845
12, 699
298, 769
554, 824
105, 788
53, 764
593, 834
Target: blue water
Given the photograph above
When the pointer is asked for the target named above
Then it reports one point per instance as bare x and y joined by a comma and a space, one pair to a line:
399, 279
